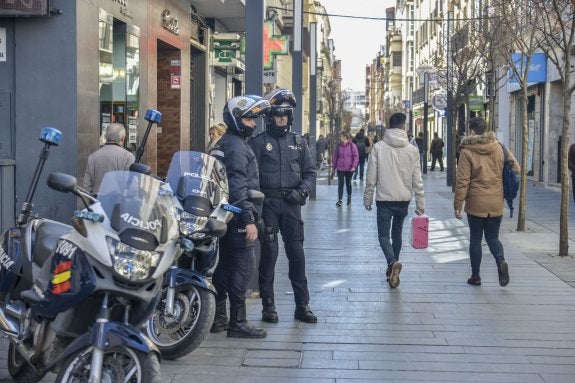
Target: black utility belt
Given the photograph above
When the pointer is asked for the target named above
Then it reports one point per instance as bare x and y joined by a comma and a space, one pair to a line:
281, 194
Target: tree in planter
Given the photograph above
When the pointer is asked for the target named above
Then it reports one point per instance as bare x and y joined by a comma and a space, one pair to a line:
556, 38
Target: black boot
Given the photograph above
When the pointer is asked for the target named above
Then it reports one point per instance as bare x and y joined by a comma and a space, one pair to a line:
304, 314
239, 327
269, 313
221, 318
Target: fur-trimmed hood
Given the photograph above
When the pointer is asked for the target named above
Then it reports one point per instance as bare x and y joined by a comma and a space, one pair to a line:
485, 144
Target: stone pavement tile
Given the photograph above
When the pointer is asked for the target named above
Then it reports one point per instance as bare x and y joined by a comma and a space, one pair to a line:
556, 378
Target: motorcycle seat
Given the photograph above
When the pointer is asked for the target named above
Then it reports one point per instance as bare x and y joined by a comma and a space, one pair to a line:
45, 238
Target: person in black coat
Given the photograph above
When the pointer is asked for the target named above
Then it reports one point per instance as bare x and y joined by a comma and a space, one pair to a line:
436, 151
237, 258
287, 174
362, 143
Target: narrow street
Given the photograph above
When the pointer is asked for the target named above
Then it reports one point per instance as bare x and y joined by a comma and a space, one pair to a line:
432, 328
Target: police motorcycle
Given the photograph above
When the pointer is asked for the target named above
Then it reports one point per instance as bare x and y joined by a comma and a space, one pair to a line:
72, 298
185, 313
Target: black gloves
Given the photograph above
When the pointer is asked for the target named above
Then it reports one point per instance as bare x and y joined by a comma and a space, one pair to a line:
297, 196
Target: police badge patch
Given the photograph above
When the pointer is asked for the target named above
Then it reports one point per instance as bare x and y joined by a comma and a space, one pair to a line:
269, 147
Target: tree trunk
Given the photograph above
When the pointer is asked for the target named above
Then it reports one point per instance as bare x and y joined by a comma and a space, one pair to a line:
524, 154
564, 217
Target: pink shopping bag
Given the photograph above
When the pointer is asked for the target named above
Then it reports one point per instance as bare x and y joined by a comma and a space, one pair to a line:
419, 231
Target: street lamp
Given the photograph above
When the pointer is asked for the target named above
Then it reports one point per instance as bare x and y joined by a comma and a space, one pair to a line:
449, 110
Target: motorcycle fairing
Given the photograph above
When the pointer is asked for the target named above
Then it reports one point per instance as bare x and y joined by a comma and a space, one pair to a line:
11, 258
200, 175
139, 208
71, 280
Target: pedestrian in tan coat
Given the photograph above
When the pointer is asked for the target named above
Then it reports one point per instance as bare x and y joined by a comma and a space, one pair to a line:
479, 184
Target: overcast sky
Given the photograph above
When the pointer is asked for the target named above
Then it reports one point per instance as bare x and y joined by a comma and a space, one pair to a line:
356, 41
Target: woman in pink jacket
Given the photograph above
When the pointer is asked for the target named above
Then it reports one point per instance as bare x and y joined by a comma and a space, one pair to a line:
345, 159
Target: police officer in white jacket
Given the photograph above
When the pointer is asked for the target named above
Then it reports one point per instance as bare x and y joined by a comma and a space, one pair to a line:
394, 175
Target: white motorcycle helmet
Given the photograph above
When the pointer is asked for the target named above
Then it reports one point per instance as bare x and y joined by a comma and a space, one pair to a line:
248, 106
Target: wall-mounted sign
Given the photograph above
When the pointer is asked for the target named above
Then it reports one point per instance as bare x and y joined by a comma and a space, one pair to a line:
226, 48
273, 44
439, 100
537, 71
175, 74
170, 22
12, 8
2, 44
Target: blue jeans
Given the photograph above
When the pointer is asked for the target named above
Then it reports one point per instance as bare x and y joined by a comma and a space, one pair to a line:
490, 227
390, 217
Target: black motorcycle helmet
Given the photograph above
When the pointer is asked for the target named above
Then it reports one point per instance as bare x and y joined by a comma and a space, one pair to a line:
248, 106
282, 102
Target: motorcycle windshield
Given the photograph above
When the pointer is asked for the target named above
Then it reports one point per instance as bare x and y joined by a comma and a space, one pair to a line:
139, 207
199, 181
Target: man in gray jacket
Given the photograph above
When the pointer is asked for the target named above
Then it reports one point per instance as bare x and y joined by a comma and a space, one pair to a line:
111, 156
393, 173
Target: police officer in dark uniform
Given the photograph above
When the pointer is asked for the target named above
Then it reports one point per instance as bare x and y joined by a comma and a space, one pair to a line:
287, 174
237, 259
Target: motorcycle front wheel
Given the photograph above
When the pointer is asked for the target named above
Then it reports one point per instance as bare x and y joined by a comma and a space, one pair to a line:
121, 364
181, 333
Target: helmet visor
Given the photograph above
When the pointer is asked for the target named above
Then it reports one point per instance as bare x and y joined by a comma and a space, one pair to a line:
282, 111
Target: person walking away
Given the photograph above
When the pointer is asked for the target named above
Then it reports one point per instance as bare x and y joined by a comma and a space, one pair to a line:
394, 176
420, 147
321, 147
479, 183
362, 143
436, 151
411, 139
237, 258
111, 156
287, 174
344, 161
216, 132
571, 160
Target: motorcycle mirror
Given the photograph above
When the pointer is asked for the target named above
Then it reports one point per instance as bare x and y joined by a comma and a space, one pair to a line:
62, 182
215, 228
256, 197
140, 168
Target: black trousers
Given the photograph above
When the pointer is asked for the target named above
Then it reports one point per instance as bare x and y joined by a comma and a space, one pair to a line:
439, 158
360, 167
280, 216
343, 177
235, 267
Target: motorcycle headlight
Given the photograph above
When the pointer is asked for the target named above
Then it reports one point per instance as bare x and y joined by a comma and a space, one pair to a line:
189, 224
131, 263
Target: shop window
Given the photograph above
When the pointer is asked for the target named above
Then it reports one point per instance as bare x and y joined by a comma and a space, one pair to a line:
119, 74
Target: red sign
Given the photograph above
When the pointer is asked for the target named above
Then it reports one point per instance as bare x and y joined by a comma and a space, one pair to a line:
175, 74
273, 44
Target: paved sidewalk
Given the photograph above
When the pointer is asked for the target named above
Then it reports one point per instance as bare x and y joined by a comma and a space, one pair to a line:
432, 328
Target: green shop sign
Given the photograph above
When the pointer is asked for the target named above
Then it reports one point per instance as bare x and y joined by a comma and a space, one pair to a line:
476, 103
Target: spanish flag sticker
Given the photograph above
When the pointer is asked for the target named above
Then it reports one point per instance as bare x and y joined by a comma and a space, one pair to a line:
61, 279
